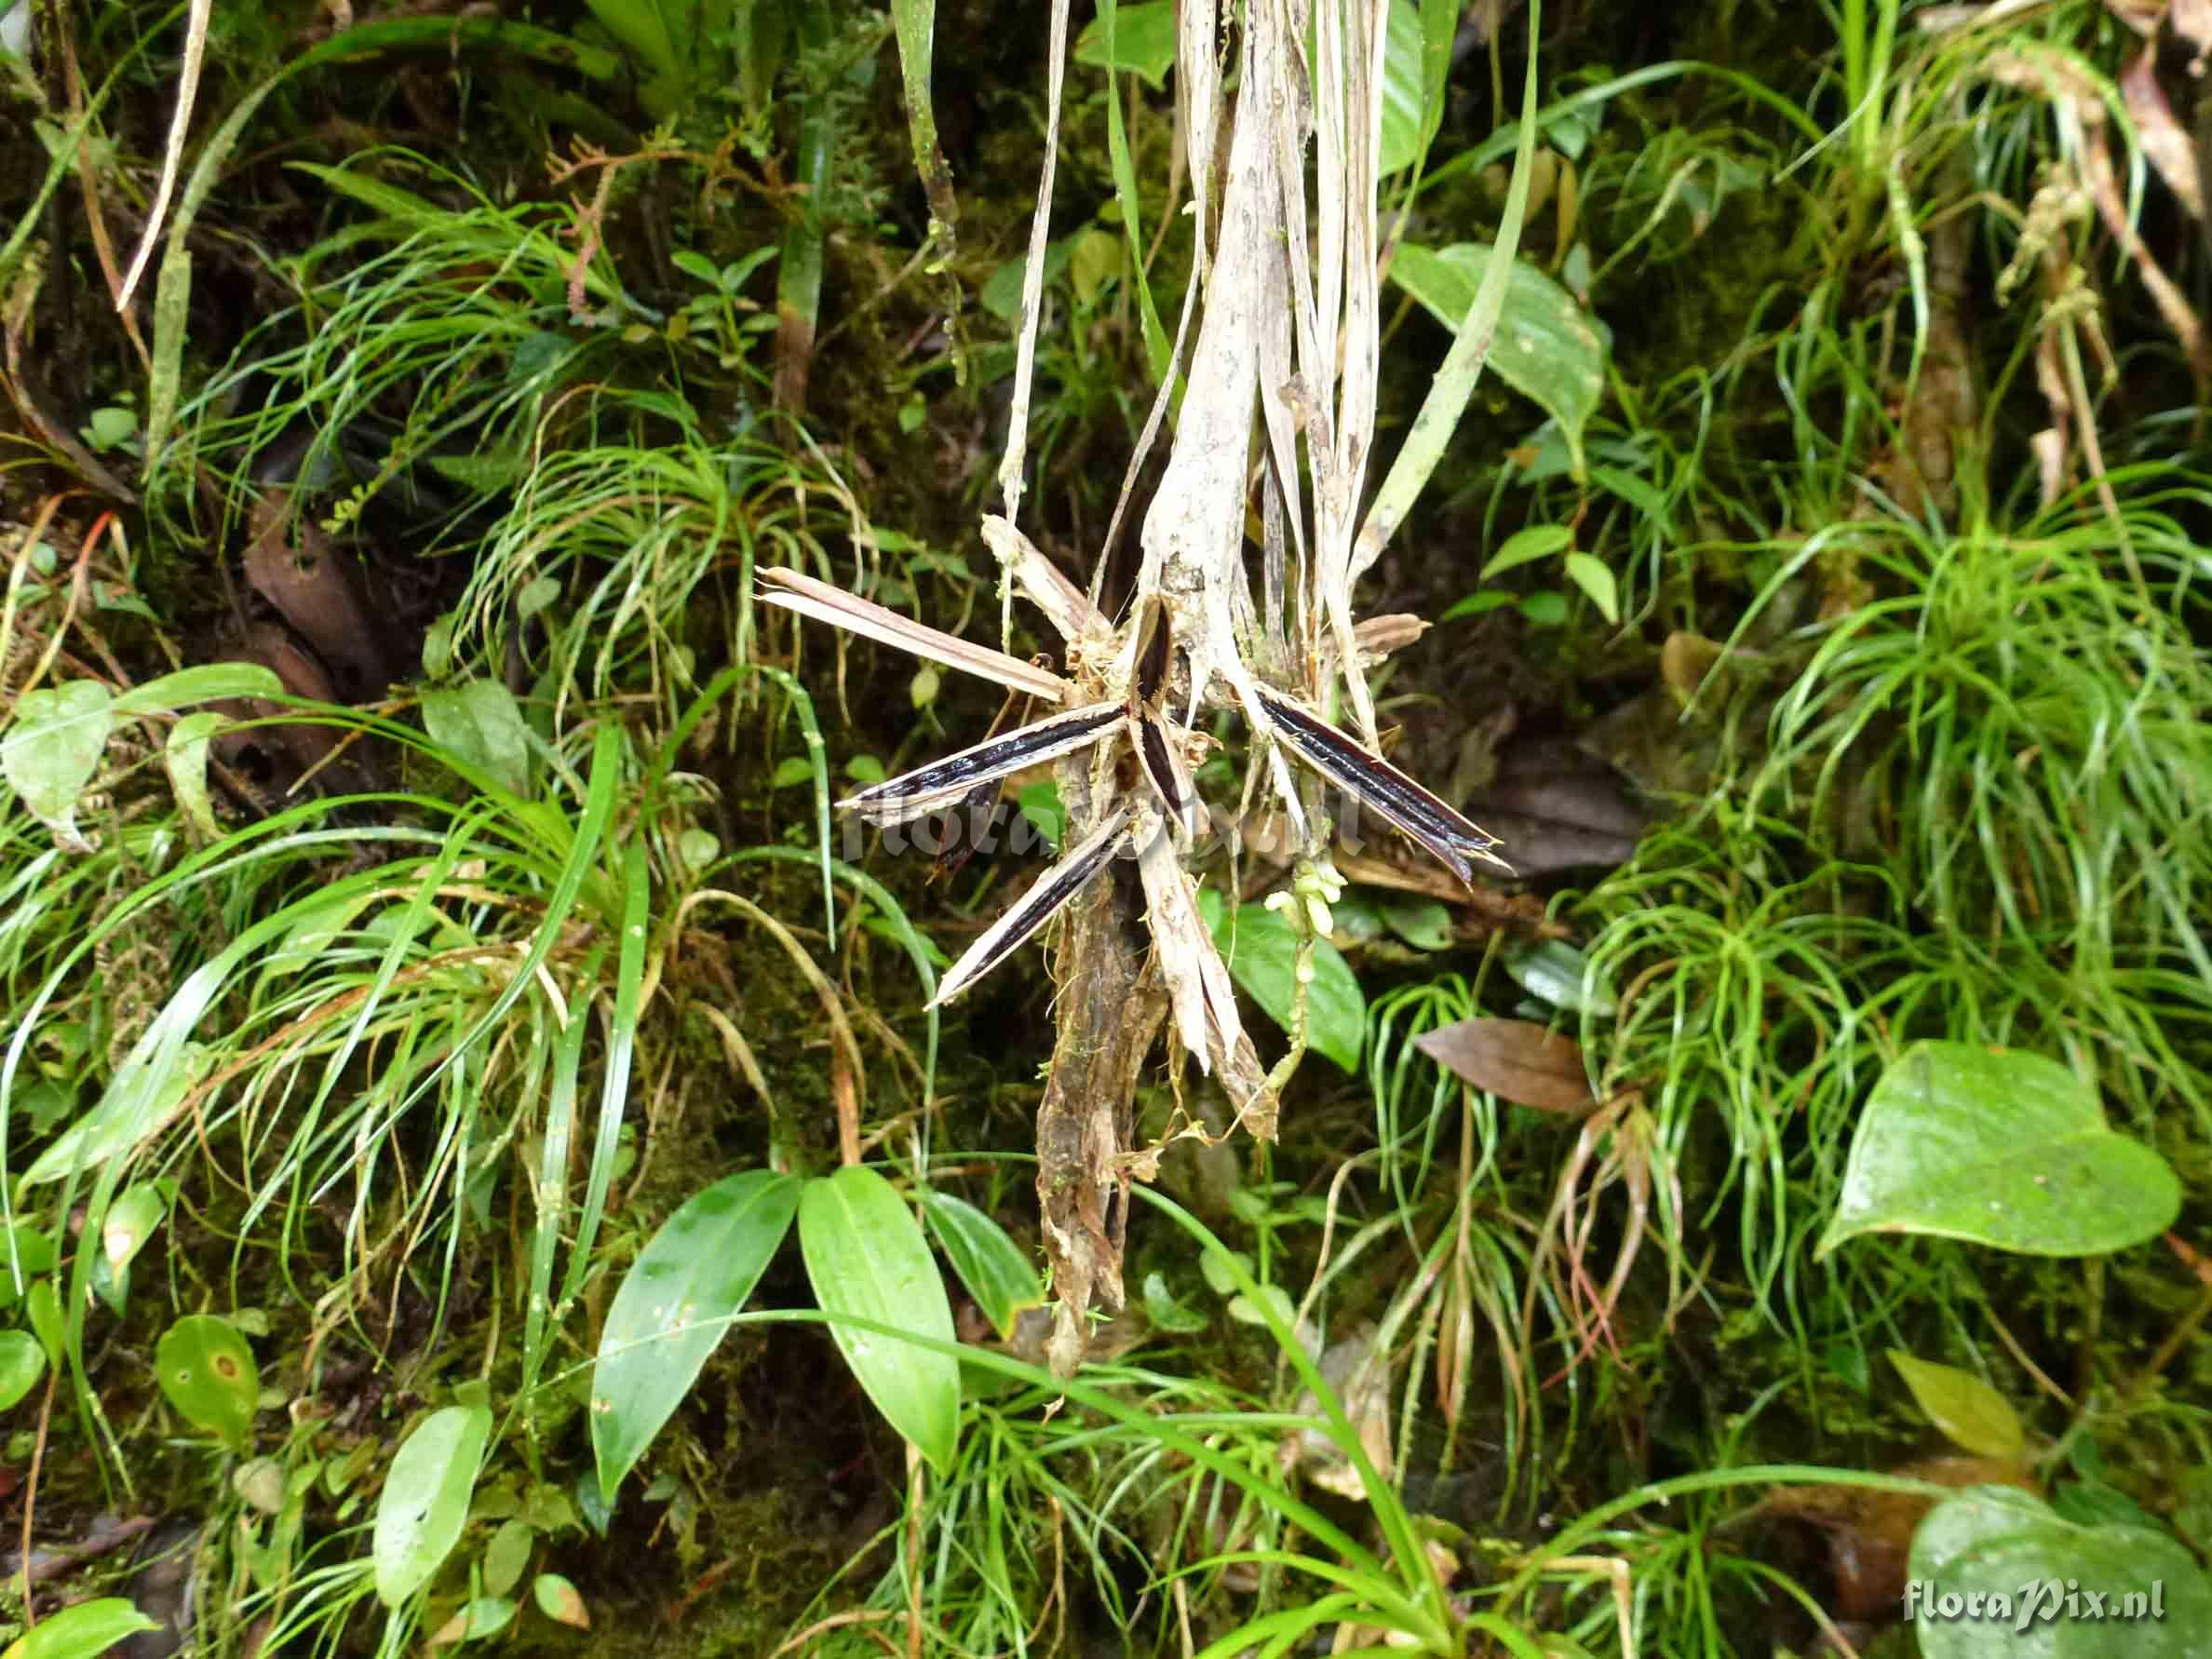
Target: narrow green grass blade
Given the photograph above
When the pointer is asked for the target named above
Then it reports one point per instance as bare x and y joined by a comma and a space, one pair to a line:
1454, 384
629, 976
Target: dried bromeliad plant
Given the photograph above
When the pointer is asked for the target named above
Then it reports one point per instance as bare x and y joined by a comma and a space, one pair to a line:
1285, 298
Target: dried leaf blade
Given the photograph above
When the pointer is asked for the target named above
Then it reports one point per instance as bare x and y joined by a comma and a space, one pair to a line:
1516, 1061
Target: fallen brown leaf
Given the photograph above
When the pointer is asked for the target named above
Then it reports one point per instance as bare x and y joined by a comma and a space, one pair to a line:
1517, 1059
1869, 1532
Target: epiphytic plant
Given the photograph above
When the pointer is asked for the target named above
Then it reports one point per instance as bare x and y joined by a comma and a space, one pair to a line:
1287, 298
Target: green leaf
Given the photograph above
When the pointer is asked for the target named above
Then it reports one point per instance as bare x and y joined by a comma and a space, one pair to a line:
479, 724
1040, 803
477, 1619
207, 1371
26, 1252
866, 1257
80, 1632
131, 1222
536, 594
210, 683
23, 1362
1421, 922
990, 1265
185, 757
1525, 546
52, 750
559, 1600
425, 1501
673, 1308
1475, 604
42, 1306
1408, 121
791, 769
508, 1555
1545, 348
1164, 1311
1590, 574
1547, 609
2002, 1148
1553, 972
148, 1089
1262, 955
1143, 42
2014, 1553
1970, 1413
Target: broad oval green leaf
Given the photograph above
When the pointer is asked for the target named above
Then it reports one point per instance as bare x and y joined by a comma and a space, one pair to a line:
1546, 348
23, 1362
1262, 952
674, 1307
52, 750
1970, 1413
990, 1263
2000, 1542
481, 725
508, 1555
425, 1501
207, 1372
80, 1632
2000, 1147
866, 1257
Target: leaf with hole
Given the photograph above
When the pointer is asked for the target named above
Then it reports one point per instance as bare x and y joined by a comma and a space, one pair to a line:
1999, 1147
673, 1310
208, 1373
425, 1501
2000, 1541
1970, 1413
81, 1632
866, 1257
1545, 348
990, 1265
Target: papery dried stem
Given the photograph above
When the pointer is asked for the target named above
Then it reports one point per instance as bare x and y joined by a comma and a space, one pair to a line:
818, 600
